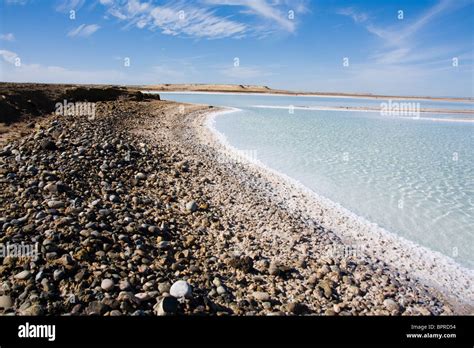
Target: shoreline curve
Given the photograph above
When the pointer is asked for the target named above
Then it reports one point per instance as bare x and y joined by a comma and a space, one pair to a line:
430, 267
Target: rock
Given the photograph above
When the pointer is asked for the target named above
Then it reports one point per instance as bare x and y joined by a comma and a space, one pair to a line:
55, 204
52, 188
105, 212
168, 305
5, 302
217, 282
313, 279
329, 312
326, 287
142, 296
221, 290
23, 275
58, 274
107, 284
164, 245
67, 261
190, 240
127, 296
191, 206
96, 308
277, 269
33, 310
48, 144
391, 305
274, 269
164, 287
180, 289
244, 263
354, 290
423, 310
261, 296
140, 176
124, 285
114, 199
296, 308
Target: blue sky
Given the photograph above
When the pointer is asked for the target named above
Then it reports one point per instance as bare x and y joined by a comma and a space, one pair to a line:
427, 49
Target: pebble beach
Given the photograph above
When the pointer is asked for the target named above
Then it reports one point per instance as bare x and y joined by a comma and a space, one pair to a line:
139, 211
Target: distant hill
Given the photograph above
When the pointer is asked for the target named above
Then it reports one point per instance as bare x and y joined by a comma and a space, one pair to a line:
202, 87
198, 87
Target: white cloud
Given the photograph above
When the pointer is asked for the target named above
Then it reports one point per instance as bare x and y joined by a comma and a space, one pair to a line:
202, 19
266, 10
54, 74
84, 30
356, 16
399, 42
8, 56
193, 22
7, 37
402, 60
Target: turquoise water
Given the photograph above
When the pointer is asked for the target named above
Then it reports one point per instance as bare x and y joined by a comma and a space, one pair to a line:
413, 177
238, 100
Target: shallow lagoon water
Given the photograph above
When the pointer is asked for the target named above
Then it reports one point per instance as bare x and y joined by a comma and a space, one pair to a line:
413, 177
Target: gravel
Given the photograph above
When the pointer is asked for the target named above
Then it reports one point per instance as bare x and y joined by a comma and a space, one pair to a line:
105, 205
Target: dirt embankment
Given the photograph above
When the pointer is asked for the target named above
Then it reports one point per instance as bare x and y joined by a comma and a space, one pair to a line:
23, 104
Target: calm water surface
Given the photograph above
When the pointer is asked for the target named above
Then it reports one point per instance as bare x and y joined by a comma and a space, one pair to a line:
414, 177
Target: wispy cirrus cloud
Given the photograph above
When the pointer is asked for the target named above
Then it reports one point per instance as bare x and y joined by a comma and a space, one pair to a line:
399, 42
397, 36
203, 19
401, 55
83, 30
272, 11
176, 18
357, 16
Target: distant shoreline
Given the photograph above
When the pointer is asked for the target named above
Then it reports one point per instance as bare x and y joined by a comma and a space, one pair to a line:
240, 89
244, 89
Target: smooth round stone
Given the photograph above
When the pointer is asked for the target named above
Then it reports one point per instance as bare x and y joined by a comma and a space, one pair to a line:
140, 176
56, 204
142, 296
53, 188
6, 302
124, 285
23, 275
391, 305
180, 289
107, 284
191, 206
221, 290
217, 282
261, 296
164, 287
